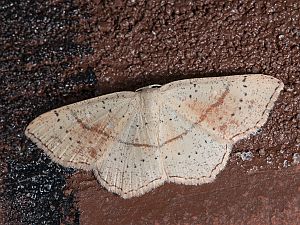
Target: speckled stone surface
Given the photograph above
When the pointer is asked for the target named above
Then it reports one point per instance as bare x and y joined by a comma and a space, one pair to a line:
58, 52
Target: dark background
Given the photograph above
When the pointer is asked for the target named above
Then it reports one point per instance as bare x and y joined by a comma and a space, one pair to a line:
58, 52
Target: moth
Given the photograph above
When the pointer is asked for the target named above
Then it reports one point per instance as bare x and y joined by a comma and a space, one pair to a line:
181, 132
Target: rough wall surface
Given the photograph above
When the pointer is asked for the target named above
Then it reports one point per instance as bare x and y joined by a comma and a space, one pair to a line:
58, 52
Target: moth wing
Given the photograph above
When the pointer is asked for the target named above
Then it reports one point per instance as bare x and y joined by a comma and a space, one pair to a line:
229, 107
130, 171
202, 118
113, 135
133, 166
195, 158
79, 134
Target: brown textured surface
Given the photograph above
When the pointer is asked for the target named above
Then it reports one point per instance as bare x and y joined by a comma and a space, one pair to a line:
263, 197
60, 52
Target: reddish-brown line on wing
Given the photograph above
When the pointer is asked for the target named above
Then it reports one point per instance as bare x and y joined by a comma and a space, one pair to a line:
94, 129
219, 102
